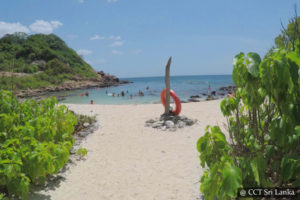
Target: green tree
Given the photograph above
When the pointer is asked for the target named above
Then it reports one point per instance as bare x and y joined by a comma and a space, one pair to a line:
289, 38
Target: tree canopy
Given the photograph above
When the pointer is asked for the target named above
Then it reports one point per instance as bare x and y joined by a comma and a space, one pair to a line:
47, 54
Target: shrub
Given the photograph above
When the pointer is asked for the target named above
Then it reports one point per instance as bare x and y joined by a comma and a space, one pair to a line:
263, 125
35, 140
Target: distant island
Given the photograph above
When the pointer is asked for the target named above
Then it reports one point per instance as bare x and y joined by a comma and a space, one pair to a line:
33, 65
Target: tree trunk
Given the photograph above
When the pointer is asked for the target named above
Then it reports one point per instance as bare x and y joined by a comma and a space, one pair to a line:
167, 82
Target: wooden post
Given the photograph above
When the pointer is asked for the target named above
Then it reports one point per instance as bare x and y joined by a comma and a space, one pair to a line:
167, 82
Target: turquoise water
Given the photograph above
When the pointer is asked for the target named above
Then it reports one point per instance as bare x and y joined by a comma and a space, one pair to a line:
184, 86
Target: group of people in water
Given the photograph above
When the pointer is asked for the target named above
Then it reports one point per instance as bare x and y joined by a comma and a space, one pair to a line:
122, 94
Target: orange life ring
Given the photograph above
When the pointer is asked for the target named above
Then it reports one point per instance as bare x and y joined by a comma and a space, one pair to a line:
176, 99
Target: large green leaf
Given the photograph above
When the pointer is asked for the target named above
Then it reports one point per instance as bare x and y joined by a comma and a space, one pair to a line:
297, 129
258, 166
252, 64
294, 57
232, 180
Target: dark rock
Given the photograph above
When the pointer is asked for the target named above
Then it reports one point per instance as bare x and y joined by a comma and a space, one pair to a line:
83, 133
189, 122
194, 96
150, 121
222, 88
180, 124
194, 100
170, 122
213, 93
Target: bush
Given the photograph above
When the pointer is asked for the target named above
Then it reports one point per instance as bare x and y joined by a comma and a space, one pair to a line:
56, 67
264, 128
31, 69
35, 141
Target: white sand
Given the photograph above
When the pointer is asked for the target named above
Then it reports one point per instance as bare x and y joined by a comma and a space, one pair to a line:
127, 160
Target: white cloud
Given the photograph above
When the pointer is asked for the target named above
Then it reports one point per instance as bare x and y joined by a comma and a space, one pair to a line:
116, 44
112, 1
83, 52
97, 37
115, 52
113, 37
81, 1
10, 28
56, 24
41, 26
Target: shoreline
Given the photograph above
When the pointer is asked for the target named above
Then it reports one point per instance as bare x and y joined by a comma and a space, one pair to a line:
50, 89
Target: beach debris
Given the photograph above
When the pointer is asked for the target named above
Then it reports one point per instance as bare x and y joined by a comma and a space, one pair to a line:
167, 82
170, 122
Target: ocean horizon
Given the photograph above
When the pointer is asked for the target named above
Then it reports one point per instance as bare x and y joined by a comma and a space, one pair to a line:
184, 86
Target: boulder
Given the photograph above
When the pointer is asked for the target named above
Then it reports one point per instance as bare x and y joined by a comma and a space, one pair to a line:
169, 124
194, 100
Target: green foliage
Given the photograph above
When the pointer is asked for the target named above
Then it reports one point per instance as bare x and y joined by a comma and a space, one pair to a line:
82, 119
35, 140
82, 152
289, 38
34, 53
263, 148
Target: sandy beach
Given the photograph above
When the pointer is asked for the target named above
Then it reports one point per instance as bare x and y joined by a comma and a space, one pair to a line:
129, 161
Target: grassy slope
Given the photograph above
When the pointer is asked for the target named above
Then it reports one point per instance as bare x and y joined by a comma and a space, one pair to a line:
47, 54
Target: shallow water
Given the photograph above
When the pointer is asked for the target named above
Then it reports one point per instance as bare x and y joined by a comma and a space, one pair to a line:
184, 86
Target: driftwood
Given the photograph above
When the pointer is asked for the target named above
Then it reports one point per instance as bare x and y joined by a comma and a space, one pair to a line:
167, 82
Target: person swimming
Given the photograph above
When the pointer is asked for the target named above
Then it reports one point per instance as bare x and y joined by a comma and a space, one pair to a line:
140, 93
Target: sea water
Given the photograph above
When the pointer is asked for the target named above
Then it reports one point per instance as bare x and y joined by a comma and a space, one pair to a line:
184, 86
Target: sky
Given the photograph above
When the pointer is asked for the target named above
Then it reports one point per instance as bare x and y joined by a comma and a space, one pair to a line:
135, 38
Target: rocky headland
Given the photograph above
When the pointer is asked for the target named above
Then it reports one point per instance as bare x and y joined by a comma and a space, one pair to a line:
103, 80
